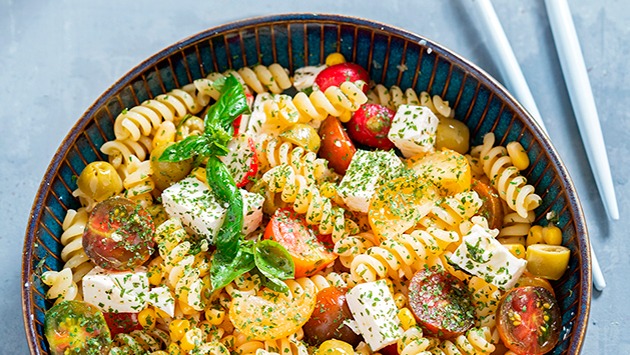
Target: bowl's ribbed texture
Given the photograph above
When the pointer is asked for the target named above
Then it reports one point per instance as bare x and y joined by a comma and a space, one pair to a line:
392, 56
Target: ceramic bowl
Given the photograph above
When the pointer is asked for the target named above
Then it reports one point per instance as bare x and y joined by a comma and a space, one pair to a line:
391, 55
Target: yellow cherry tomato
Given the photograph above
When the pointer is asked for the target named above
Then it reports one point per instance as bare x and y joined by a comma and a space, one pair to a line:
302, 135
335, 347
446, 169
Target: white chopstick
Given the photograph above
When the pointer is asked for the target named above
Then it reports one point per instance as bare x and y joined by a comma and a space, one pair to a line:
511, 72
579, 88
508, 65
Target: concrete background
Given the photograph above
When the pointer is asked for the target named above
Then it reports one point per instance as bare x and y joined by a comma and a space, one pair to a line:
57, 57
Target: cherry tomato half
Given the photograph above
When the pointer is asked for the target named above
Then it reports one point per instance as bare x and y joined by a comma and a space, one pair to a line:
301, 241
76, 327
492, 208
327, 320
336, 146
529, 320
122, 322
441, 303
119, 234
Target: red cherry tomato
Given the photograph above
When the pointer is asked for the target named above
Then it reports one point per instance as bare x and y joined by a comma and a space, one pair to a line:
492, 208
336, 146
389, 350
529, 320
369, 126
441, 303
301, 241
122, 322
336, 74
76, 327
327, 320
119, 234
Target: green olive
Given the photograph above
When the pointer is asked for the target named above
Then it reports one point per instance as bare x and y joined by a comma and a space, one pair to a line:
100, 181
452, 134
302, 135
166, 173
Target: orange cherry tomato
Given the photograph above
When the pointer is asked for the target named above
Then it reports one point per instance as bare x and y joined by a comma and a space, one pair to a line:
529, 320
336, 146
529, 279
302, 241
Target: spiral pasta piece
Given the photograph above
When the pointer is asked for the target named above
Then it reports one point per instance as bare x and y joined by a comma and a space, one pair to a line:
505, 178
260, 78
338, 101
394, 97
119, 151
138, 183
476, 341
413, 342
453, 211
402, 256
290, 345
273, 152
62, 287
140, 342
144, 120
184, 266
351, 246
515, 228
307, 200
72, 240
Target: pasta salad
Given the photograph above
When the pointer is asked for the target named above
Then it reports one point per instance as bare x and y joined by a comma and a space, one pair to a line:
259, 211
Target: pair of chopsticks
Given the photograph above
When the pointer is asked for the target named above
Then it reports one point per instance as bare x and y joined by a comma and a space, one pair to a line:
578, 85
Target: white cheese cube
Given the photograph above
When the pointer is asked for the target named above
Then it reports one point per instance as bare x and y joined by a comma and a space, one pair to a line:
252, 211
305, 77
367, 169
482, 255
162, 298
116, 291
375, 312
413, 130
192, 202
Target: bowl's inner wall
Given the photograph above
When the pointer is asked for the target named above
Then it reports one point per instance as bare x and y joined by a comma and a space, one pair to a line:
390, 58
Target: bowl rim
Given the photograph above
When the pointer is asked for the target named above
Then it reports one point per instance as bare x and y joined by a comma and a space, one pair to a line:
582, 236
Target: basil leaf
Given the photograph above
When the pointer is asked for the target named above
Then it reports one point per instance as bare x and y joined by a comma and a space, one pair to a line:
185, 149
273, 260
230, 105
222, 184
275, 284
222, 273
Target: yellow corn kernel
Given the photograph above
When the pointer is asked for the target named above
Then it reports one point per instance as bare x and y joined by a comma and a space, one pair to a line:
335, 347
214, 316
535, 236
345, 116
518, 250
155, 271
552, 235
200, 174
406, 318
191, 339
174, 349
518, 155
335, 58
178, 328
147, 318
328, 190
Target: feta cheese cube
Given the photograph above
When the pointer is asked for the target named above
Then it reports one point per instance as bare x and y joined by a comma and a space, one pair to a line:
482, 255
116, 291
162, 298
375, 312
252, 211
367, 169
413, 130
192, 202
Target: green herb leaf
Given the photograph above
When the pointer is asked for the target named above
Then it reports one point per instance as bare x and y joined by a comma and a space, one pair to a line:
222, 273
185, 149
273, 260
230, 105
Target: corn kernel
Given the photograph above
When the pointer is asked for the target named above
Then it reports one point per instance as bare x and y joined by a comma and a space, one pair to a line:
214, 316
155, 271
345, 116
174, 349
518, 250
335, 58
519, 157
552, 235
147, 318
191, 339
178, 328
200, 174
535, 236
407, 319
400, 300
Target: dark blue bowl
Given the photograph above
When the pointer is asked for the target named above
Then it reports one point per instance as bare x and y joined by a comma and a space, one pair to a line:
294, 41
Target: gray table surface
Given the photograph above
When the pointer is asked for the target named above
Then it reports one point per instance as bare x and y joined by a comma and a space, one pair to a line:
57, 57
